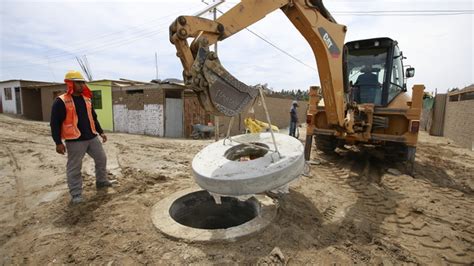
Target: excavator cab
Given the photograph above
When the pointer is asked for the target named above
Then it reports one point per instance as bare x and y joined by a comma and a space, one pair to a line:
374, 71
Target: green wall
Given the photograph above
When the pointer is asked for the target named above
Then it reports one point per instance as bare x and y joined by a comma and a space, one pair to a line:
105, 114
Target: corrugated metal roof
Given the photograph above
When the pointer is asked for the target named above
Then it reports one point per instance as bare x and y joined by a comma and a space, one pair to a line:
26, 80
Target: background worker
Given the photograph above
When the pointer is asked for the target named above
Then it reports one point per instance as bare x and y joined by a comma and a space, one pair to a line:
293, 118
73, 119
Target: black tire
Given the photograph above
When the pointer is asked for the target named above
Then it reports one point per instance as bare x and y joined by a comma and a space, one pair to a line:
326, 144
195, 135
401, 153
410, 160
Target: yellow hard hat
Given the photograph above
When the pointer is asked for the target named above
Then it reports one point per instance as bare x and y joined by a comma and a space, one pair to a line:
74, 75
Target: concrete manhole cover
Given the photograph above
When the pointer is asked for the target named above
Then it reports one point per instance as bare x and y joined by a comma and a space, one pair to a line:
235, 169
193, 215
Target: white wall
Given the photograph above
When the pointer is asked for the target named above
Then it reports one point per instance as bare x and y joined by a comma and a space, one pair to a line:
148, 121
9, 106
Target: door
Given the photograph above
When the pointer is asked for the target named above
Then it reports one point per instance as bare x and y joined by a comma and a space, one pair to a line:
18, 100
174, 118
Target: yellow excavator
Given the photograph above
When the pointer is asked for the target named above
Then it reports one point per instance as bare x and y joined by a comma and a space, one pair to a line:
363, 83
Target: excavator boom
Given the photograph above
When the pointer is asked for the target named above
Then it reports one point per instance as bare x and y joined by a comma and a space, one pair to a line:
219, 92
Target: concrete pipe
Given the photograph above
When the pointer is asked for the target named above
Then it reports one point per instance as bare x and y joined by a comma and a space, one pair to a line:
235, 169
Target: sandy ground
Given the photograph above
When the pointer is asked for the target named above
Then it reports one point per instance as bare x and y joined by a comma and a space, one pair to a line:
351, 209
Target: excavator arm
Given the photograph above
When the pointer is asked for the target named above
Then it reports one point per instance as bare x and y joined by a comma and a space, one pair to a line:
222, 94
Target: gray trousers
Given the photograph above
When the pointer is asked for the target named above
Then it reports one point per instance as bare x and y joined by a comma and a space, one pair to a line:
76, 150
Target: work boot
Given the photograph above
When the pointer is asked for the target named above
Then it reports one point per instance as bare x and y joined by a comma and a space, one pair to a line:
76, 199
103, 184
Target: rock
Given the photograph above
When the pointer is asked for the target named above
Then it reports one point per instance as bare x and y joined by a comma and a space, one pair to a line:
347, 243
70, 258
393, 171
160, 177
186, 256
314, 162
276, 252
331, 249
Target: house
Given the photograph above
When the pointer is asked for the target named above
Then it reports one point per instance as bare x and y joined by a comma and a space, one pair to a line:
48, 94
22, 97
102, 101
121, 105
156, 109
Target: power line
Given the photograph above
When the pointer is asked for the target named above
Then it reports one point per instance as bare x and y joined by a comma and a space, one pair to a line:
92, 50
281, 50
408, 11
144, 33
276, 47
101, 36
403, 15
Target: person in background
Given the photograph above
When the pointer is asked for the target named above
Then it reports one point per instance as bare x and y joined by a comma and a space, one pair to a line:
74, 120
293, 118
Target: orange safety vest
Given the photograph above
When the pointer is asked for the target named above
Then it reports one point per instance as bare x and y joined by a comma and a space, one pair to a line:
69, 129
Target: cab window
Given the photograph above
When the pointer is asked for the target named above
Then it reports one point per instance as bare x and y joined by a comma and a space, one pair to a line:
366, 69
396, 81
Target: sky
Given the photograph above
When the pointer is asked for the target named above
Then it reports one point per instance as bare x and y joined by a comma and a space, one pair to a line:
40, 40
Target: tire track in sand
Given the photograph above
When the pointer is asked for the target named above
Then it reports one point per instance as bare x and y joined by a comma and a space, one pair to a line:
19, 187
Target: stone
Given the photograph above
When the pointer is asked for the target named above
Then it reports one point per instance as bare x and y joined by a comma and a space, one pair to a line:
393, 171
276, 252
314, 162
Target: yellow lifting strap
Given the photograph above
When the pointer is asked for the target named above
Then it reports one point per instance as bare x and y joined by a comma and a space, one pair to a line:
257, 126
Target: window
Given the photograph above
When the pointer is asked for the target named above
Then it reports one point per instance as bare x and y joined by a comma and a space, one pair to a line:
454, 98
8, 93
396, 82
176, 94
134, 91
97, 99
467, 96
366, 70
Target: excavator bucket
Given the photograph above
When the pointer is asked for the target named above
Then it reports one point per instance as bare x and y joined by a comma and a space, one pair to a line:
219, 92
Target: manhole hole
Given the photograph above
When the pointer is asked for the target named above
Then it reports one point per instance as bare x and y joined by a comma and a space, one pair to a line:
199, 210
193, 215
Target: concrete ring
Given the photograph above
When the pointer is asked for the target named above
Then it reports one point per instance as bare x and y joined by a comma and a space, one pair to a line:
216, 169
263, 207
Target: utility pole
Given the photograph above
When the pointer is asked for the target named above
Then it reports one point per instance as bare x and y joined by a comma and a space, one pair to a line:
215, 17
84, 64
216, 133
156, 65
213, 8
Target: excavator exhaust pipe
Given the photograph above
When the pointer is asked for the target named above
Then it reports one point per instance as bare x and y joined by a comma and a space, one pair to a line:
218, 91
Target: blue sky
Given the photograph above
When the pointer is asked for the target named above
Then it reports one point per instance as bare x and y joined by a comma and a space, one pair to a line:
40, 39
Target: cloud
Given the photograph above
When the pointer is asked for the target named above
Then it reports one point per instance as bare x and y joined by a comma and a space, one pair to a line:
39, 40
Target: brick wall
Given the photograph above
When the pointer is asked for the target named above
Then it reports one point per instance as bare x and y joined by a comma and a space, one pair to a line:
148, 121
459, 122
193, 113
138, 110
136, 99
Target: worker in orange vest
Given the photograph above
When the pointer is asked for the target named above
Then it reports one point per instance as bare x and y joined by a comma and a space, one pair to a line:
74, 120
